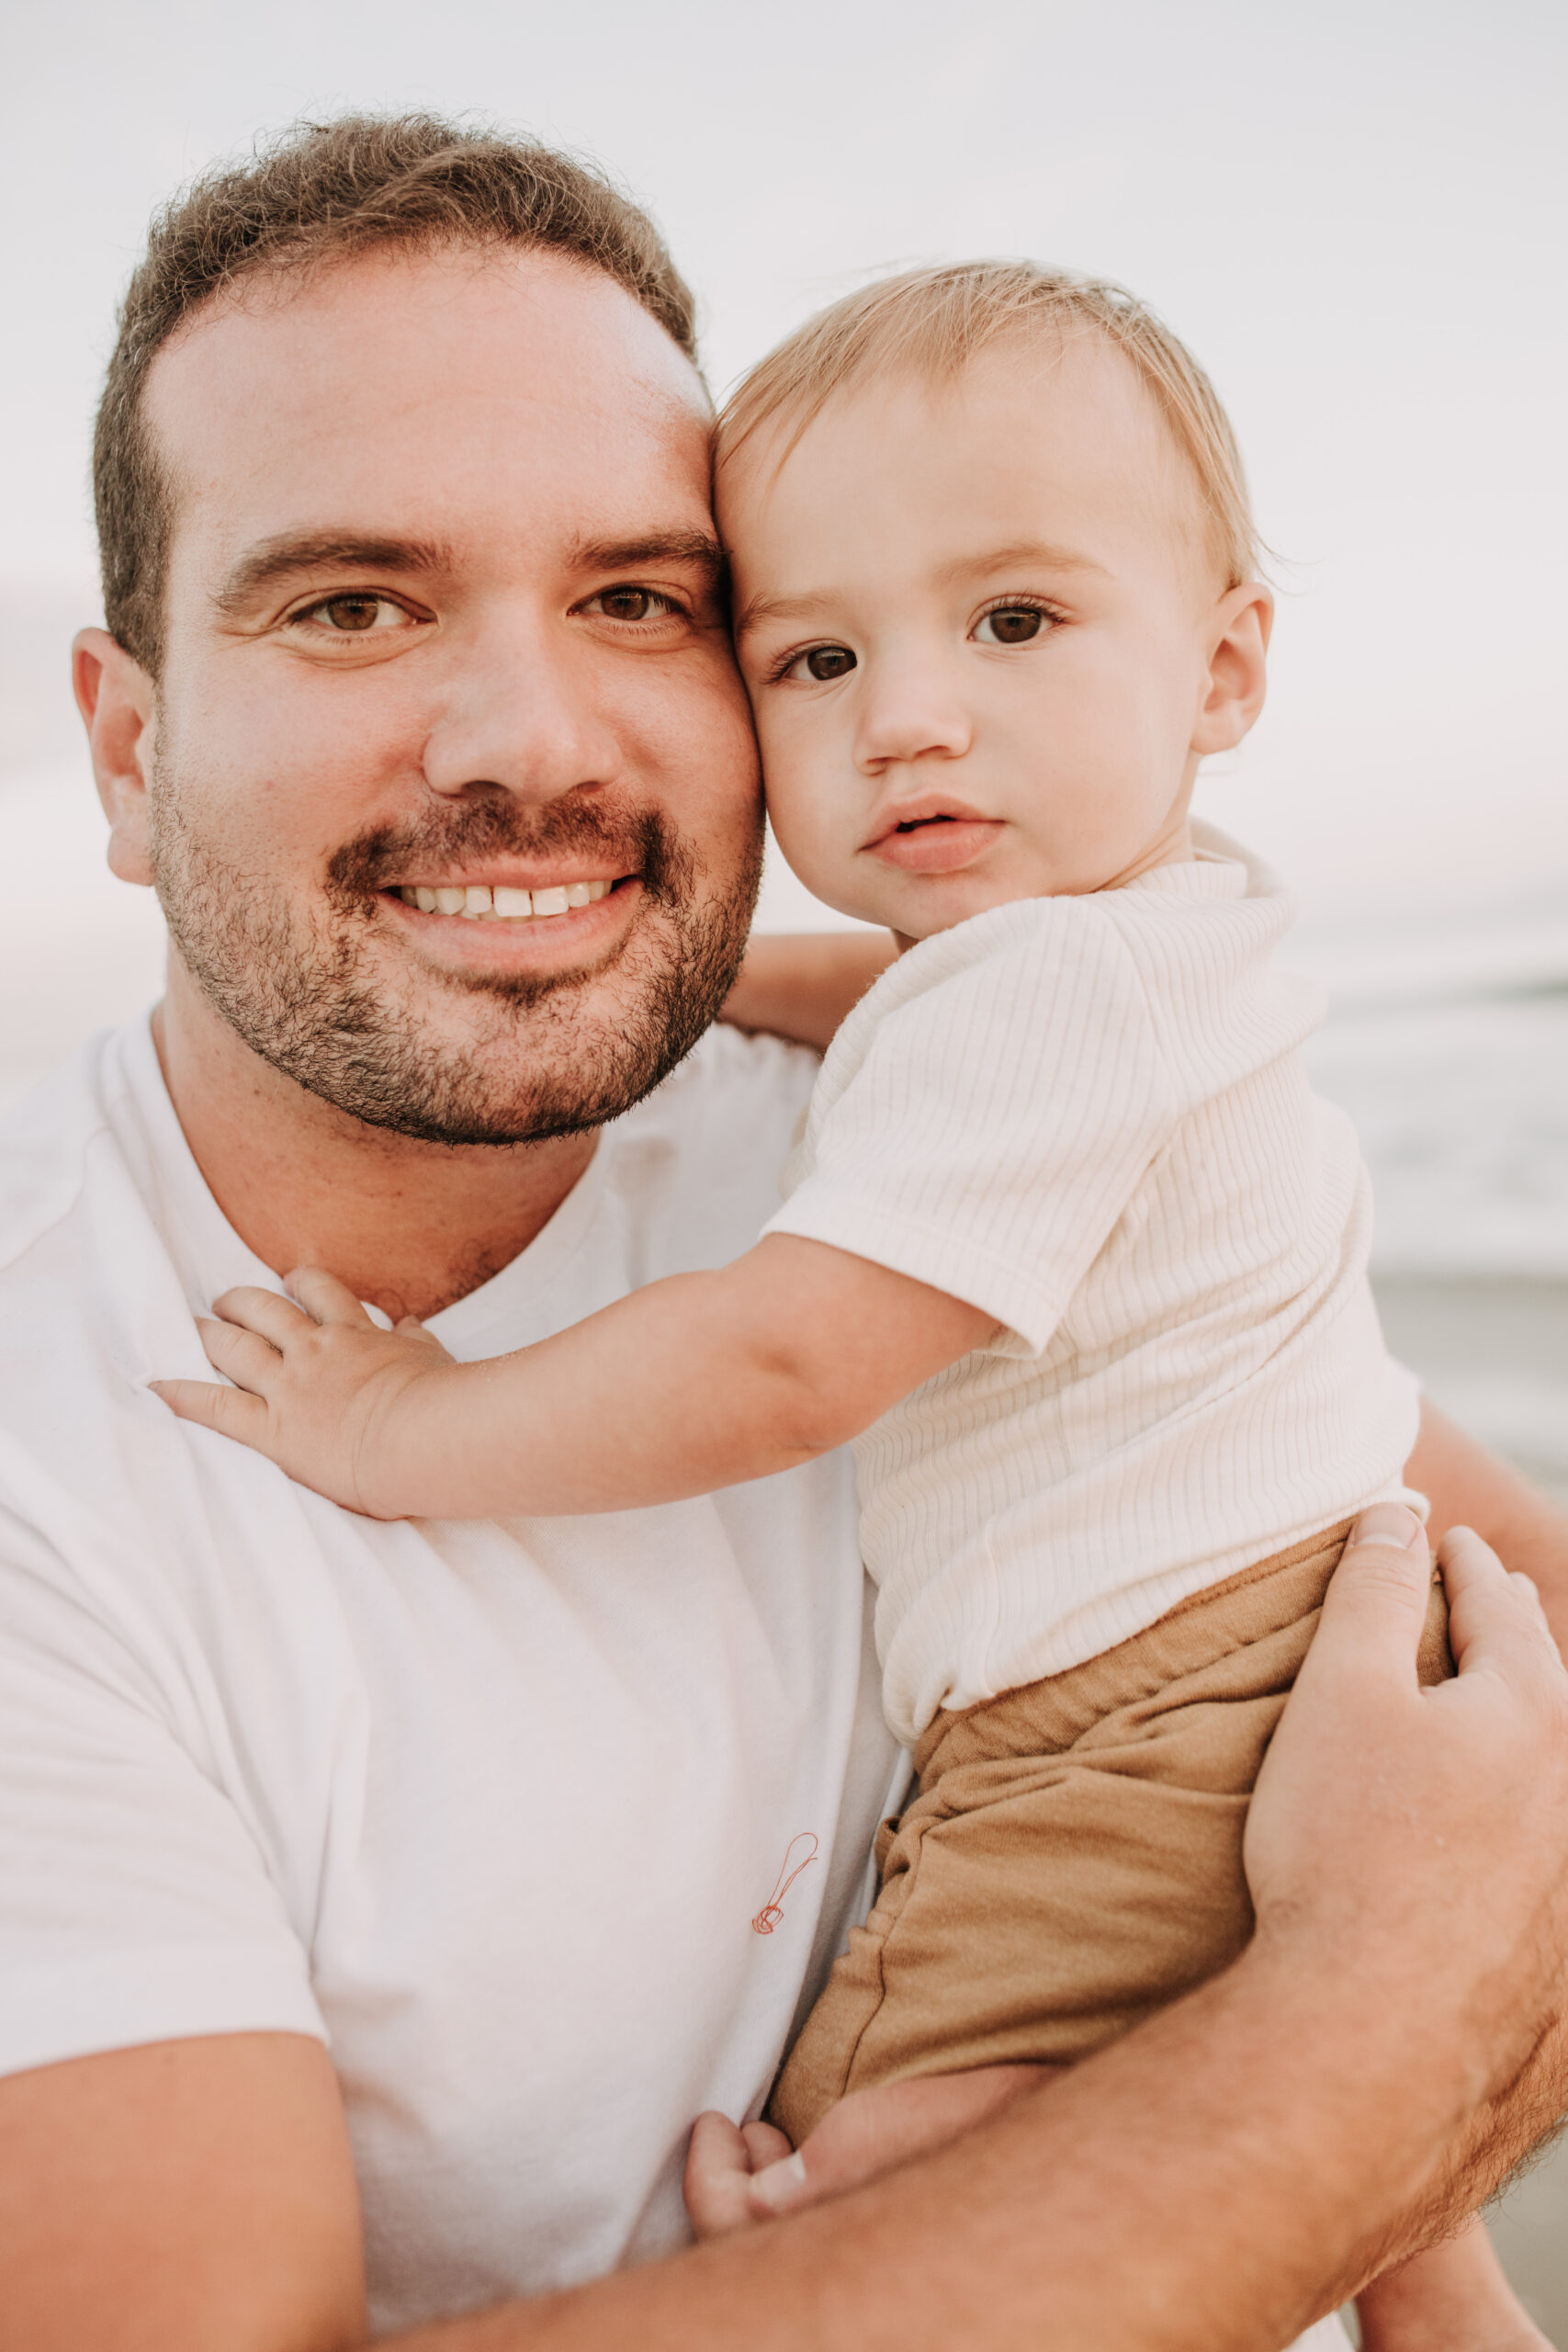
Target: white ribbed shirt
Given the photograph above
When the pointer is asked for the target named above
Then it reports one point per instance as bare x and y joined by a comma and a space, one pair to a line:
1088, 1116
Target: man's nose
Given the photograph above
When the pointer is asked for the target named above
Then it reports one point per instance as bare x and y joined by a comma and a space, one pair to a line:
520, 711
910, 708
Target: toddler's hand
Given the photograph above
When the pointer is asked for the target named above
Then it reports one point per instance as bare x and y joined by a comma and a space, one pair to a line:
318, 1387
737, 2177
724, 2160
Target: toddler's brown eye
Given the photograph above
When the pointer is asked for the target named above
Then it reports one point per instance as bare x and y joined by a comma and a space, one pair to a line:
1010, 625
829, 661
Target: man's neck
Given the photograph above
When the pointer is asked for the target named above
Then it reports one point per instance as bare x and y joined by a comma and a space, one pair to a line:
408, 1226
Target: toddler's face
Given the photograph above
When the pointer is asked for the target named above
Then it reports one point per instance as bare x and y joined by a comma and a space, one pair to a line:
984, 642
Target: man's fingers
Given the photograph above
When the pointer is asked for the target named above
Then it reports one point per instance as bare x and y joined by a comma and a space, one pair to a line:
1496, 1620
325, 1299
1376, 1603
227, 1411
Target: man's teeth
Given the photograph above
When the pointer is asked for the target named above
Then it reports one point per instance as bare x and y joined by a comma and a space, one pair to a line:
482, 903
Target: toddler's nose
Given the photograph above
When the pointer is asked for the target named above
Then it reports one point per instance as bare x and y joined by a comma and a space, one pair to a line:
910, 713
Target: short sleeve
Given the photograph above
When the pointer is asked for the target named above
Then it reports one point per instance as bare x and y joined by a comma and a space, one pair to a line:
986, 1127
136, 1905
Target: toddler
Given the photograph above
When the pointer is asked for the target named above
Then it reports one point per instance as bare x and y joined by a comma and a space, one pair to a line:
1070, 1251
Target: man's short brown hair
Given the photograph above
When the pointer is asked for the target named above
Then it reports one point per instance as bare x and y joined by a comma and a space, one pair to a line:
321, 192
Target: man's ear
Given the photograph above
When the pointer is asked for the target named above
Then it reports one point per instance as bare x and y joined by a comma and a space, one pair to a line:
114, 695
1238, 667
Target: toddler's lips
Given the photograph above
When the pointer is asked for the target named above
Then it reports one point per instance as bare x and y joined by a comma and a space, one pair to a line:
940, 845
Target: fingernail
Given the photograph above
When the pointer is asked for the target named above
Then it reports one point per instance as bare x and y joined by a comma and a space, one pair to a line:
1389, 1523
778, 2187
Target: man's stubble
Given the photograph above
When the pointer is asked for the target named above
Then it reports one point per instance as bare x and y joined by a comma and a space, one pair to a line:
318, 998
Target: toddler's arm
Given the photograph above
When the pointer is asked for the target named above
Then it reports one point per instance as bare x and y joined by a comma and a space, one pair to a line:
691, 1384
803, 985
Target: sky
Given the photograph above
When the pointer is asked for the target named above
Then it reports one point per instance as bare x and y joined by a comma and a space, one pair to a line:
1354, 214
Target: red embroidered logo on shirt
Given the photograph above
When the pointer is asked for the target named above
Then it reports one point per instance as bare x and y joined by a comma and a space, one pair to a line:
768, 1918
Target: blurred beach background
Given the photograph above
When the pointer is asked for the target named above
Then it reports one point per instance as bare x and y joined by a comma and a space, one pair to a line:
1355, 214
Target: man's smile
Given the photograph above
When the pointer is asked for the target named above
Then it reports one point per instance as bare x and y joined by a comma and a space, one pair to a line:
501, 901
501, 926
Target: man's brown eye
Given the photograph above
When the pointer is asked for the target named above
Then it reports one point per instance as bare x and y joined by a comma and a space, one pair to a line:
829, 661
352, 613
627, 604
1013, 624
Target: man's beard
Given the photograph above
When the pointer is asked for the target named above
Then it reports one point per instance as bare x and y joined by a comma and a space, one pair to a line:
542, 1058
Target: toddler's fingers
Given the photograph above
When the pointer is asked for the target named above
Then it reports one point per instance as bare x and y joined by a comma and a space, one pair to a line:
765, 2144
783, 2187
265, 1311
240, 1355
718, 2174
229, 1411
325, 1299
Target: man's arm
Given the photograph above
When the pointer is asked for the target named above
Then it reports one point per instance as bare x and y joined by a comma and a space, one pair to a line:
184, 2197
803, 985
1371, 2068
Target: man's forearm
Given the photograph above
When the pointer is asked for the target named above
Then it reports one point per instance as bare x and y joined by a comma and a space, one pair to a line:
803, 985
1208, 2183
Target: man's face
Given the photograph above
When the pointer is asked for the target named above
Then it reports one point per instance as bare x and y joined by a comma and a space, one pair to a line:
443, 618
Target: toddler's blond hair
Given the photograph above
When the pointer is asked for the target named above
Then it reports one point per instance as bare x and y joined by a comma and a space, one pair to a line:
930, 323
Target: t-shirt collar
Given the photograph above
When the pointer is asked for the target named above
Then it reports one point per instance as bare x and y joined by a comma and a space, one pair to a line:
210, 1257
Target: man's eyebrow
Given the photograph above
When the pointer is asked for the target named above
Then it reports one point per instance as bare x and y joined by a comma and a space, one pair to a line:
699, 547
292, 552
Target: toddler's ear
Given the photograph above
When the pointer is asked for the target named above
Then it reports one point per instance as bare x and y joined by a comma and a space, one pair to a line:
1238, 667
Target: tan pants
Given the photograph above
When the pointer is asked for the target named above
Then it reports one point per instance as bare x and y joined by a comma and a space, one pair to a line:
1072, 1859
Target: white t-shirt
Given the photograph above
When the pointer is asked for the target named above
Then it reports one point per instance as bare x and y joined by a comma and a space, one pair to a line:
1087, 1118
488, 1808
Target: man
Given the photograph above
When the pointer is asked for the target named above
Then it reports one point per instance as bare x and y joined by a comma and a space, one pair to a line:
416, 609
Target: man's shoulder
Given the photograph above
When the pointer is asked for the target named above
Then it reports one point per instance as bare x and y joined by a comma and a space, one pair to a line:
47, 1142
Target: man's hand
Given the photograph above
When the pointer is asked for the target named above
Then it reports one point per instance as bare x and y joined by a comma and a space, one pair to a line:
1376, 1790
318, 1387
1371, 1782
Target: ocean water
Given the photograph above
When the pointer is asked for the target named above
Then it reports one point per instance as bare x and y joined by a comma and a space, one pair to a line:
1457, 1080
1462, 1105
